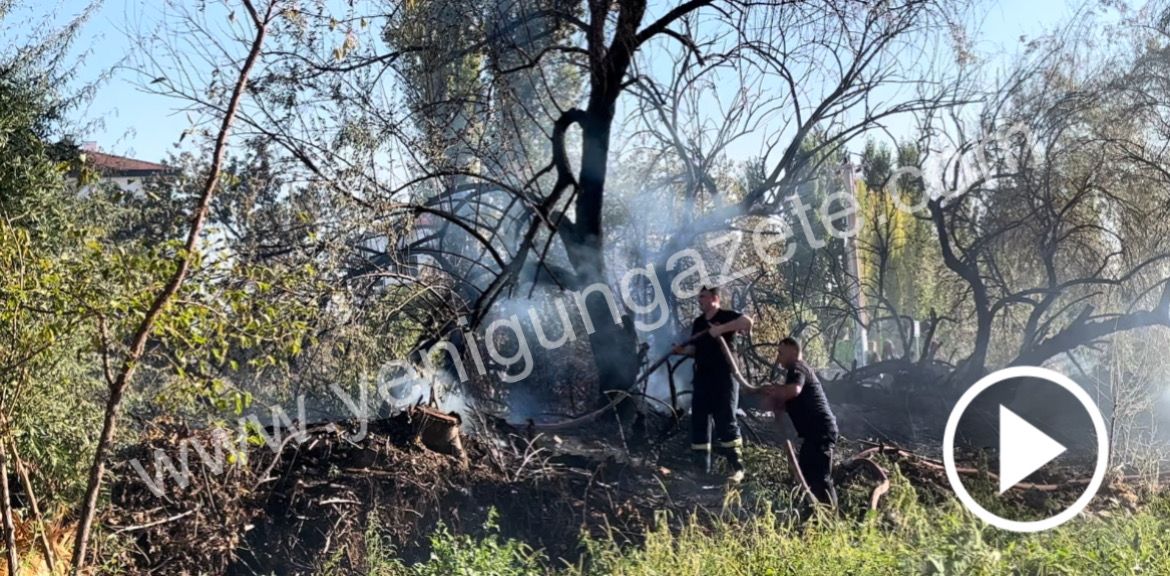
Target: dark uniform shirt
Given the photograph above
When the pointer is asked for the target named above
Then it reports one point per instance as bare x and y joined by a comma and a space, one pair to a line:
810, 411
709, 359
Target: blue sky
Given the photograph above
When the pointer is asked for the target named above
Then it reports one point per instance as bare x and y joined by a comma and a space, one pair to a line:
146, 126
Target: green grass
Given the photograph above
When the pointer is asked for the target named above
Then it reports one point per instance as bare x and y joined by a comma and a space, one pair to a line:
906, 537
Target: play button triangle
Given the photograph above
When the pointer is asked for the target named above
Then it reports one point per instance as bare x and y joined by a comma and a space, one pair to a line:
1023, 449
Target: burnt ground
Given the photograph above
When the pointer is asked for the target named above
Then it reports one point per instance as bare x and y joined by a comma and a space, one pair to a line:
287, 514
311, 504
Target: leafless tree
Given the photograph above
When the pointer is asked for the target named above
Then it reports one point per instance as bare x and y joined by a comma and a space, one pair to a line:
1053, 203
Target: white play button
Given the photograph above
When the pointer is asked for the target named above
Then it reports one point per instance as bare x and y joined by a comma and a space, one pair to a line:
1023, 449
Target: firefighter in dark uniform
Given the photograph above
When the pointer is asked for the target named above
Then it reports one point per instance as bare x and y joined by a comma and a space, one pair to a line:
715, 393
803, 398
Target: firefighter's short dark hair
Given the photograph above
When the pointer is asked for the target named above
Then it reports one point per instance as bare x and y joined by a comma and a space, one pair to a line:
711, 291
792, 342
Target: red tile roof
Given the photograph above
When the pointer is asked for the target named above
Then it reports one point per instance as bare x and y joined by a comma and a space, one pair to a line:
111, 165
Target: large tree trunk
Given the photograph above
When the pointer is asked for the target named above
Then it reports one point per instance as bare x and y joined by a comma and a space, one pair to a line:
615, 349
975, 366
614, 344
972, 368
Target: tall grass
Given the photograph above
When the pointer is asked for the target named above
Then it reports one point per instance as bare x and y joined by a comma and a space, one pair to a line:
906, 537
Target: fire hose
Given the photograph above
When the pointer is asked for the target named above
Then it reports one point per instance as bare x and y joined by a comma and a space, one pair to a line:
731, 363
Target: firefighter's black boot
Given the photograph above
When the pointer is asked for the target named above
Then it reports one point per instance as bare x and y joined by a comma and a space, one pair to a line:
702, 460
735, 467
